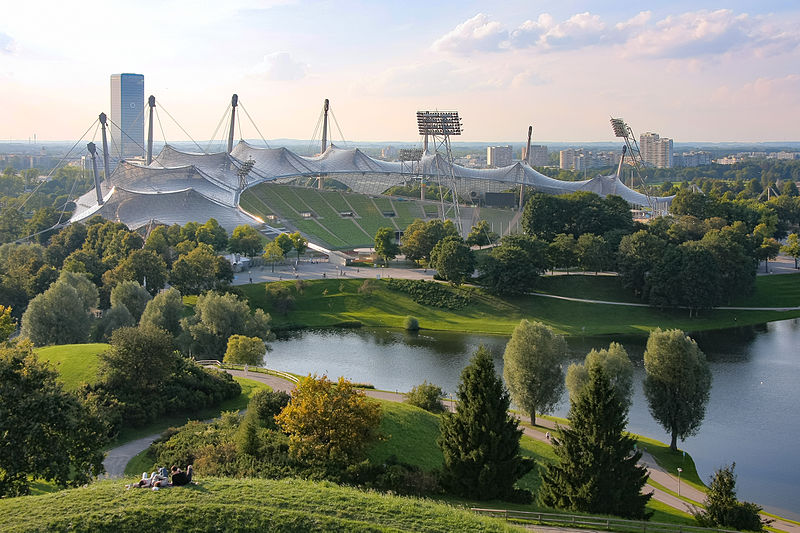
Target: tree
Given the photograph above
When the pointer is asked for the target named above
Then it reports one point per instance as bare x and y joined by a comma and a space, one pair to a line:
7, 323
677, 383
385, 245
145, 267
532, 367
132, 296
245, 240
139, 361
768, 249
87, 291
273, 252
480, 440
65, 242
453, 260
47, 433
481, 235
637, 254
285, 242
420, 237
616, 366
165, 311
514, 266
217, 317
592, 252
114, 318
213, 234
200, 270
545, 216
329, 424
245, 350
562, 251
597, 469
426, 396
299, 243
792, 247
723, 510
57, 316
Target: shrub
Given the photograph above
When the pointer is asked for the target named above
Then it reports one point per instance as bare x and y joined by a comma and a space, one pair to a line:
426, 396
432, 293
245, 350
411, 323
265, 404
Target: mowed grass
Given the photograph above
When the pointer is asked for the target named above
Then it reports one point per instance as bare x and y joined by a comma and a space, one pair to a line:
75, 363
587, 286
410, 435
773, 291
334, 302
235, 505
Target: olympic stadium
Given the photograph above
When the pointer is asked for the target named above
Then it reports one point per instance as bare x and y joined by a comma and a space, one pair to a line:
258, 186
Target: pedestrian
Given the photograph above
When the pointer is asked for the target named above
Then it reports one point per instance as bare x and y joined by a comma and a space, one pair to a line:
547, 435
180, 478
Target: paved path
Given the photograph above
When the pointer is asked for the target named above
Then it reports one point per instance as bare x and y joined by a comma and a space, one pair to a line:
118, 458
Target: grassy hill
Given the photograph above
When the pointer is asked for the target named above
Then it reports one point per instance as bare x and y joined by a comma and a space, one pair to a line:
234, 505
332, 302
76, 363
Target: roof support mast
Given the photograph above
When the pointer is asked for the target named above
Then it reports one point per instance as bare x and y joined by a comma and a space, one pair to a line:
325, 108
527, 160
106, 166
234, 103
93, 152
151, 102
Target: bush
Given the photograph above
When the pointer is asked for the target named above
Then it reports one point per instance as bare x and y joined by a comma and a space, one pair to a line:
426, 396
432, 293
265, 404
411, 323
245, 350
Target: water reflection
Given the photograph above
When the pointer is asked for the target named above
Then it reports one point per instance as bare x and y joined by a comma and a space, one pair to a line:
751, 417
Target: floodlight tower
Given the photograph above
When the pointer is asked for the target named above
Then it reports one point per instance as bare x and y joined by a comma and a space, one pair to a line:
623, 131
151, 103
438, 126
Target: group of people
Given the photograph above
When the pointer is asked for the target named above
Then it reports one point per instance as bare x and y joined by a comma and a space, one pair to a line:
162, 478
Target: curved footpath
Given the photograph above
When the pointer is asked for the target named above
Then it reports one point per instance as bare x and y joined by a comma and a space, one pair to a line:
118, 458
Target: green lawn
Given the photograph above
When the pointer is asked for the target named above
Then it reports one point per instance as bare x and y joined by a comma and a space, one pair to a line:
235, 505
76, 363
330, 303
410, 434
607, 288
773, 291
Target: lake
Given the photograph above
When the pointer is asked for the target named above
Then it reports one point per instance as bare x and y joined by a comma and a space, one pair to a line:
751, 418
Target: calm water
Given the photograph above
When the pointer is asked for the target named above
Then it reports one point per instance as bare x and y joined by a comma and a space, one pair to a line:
752, 417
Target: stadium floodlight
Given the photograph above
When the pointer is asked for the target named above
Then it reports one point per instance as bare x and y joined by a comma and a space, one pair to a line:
410, 154
619, 127
439, 123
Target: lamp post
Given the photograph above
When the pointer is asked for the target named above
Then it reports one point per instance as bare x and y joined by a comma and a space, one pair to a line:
679, 480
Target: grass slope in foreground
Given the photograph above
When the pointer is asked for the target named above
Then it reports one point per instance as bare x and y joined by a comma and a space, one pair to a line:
333, 302
234, 505
75, 363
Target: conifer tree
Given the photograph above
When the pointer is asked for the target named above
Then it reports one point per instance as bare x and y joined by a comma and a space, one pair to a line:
480, 441
596, 470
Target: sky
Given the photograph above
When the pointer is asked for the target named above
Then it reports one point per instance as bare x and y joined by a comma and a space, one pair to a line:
693, 71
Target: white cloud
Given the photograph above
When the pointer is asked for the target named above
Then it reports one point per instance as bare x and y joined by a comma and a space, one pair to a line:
477, 33
686, 35
7, 44
279, 66
762, 92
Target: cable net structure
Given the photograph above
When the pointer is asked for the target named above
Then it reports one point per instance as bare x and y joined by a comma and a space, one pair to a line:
180, 187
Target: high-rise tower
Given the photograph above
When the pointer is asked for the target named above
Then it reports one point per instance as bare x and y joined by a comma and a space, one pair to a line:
127, 116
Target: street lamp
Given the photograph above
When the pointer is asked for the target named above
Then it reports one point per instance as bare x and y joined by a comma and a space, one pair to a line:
679, 480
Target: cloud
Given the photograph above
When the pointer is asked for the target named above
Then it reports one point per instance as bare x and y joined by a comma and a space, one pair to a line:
7, 44
762, 92
686, 35
279, 66
477, 33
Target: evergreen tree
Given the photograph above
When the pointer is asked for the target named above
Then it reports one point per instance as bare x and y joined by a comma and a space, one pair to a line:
597, 470
723, 509
480, 441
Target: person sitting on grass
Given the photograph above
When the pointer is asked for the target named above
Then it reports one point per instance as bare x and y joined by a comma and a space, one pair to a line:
157, 479
180, 478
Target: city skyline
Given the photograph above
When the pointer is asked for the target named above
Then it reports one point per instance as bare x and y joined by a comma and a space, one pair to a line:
691, 71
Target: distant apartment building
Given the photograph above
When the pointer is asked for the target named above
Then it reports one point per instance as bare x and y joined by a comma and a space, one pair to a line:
127, 116
539, 156
571, 159
691, 159
388, 152
498, 156
580, 159
656, 150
